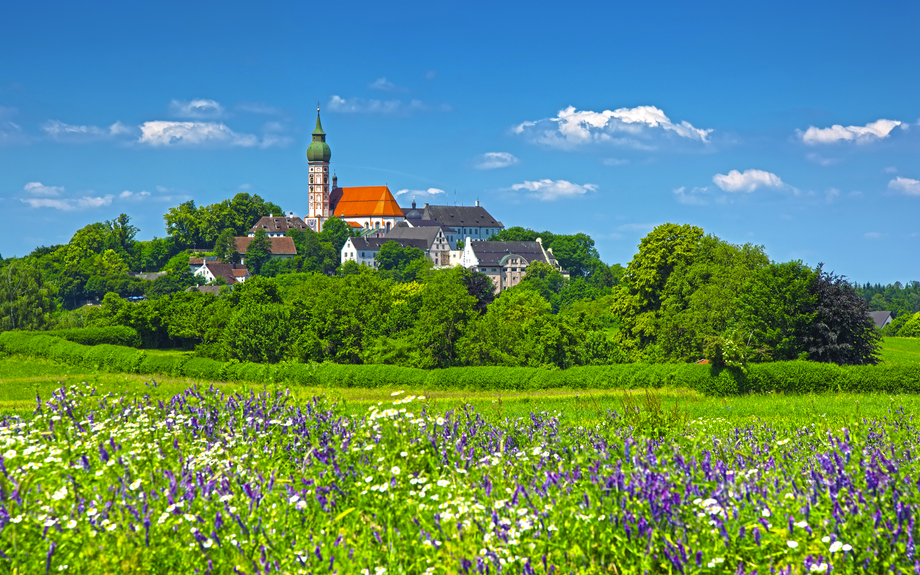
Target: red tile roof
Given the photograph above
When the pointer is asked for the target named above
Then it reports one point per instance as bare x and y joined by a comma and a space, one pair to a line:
364, 201
280, 246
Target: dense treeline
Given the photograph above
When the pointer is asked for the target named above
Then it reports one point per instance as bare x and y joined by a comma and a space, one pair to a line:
685, 296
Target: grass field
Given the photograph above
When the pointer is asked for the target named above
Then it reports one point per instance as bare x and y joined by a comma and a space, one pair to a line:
901, 350
22, 379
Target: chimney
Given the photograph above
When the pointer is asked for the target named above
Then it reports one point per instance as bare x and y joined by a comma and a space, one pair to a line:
426, 204
477, 203
271, 215
539, 241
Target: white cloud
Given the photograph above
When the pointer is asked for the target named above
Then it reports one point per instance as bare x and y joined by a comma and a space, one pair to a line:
874, 235
572, 128
62, 132
831, 195
384, 85
549, 190
69, 205
425, 193
693, 197
495, 160
373, 106
748, 181
615, 162
890, 170
871, 132
199, 108
39, 189
906, 186
134, 196
161, 133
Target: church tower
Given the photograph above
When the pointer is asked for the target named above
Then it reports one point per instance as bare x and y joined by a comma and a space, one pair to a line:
318, 156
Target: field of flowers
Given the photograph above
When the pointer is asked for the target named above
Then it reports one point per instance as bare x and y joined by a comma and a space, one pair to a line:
215, 483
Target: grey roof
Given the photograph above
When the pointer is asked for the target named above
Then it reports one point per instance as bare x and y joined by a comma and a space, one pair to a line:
461, 216
278, 225
373, 244
880, 317
147, 276
428, 233
492, 253
205, 289
426, 224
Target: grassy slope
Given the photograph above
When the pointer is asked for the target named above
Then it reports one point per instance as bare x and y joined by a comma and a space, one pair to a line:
901, 350
21, 379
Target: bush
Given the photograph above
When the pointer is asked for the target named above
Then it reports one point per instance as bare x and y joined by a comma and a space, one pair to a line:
794, 377
203, 368
164, 364
113, 335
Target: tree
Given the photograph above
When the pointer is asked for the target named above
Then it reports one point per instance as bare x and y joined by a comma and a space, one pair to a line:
775, 309
258, 252
90, 238
843, 332
641, 290
26, 302
400, 261
479, 286
335, 231
699, 299
121, 233
445, 309
225, 247
182, 224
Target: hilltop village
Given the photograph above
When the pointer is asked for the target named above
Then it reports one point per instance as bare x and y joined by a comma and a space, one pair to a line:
449, 235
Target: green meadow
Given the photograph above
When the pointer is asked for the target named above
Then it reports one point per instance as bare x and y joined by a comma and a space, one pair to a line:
22, 379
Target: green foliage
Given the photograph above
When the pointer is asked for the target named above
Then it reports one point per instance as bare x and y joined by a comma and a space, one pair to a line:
335, 232
258, 252
910, 327
26, 301
403, 264
225, 247
197, 227
114, 335
642, 289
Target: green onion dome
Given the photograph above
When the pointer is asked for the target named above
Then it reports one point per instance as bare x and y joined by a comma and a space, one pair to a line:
318, 151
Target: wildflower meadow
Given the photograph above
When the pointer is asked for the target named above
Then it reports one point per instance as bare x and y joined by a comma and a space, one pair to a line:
209, 482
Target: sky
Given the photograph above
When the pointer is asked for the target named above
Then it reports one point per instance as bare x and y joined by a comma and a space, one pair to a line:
791, 125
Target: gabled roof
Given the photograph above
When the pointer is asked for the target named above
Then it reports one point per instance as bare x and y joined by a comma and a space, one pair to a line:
880, 318
493, 253
373, 244
227, 271
461, 216
428, 234
282, 246
364, 201
278, 225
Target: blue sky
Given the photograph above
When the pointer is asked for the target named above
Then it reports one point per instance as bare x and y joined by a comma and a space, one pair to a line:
791, 125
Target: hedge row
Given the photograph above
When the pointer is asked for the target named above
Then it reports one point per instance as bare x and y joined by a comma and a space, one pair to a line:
113, 335
782, 377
